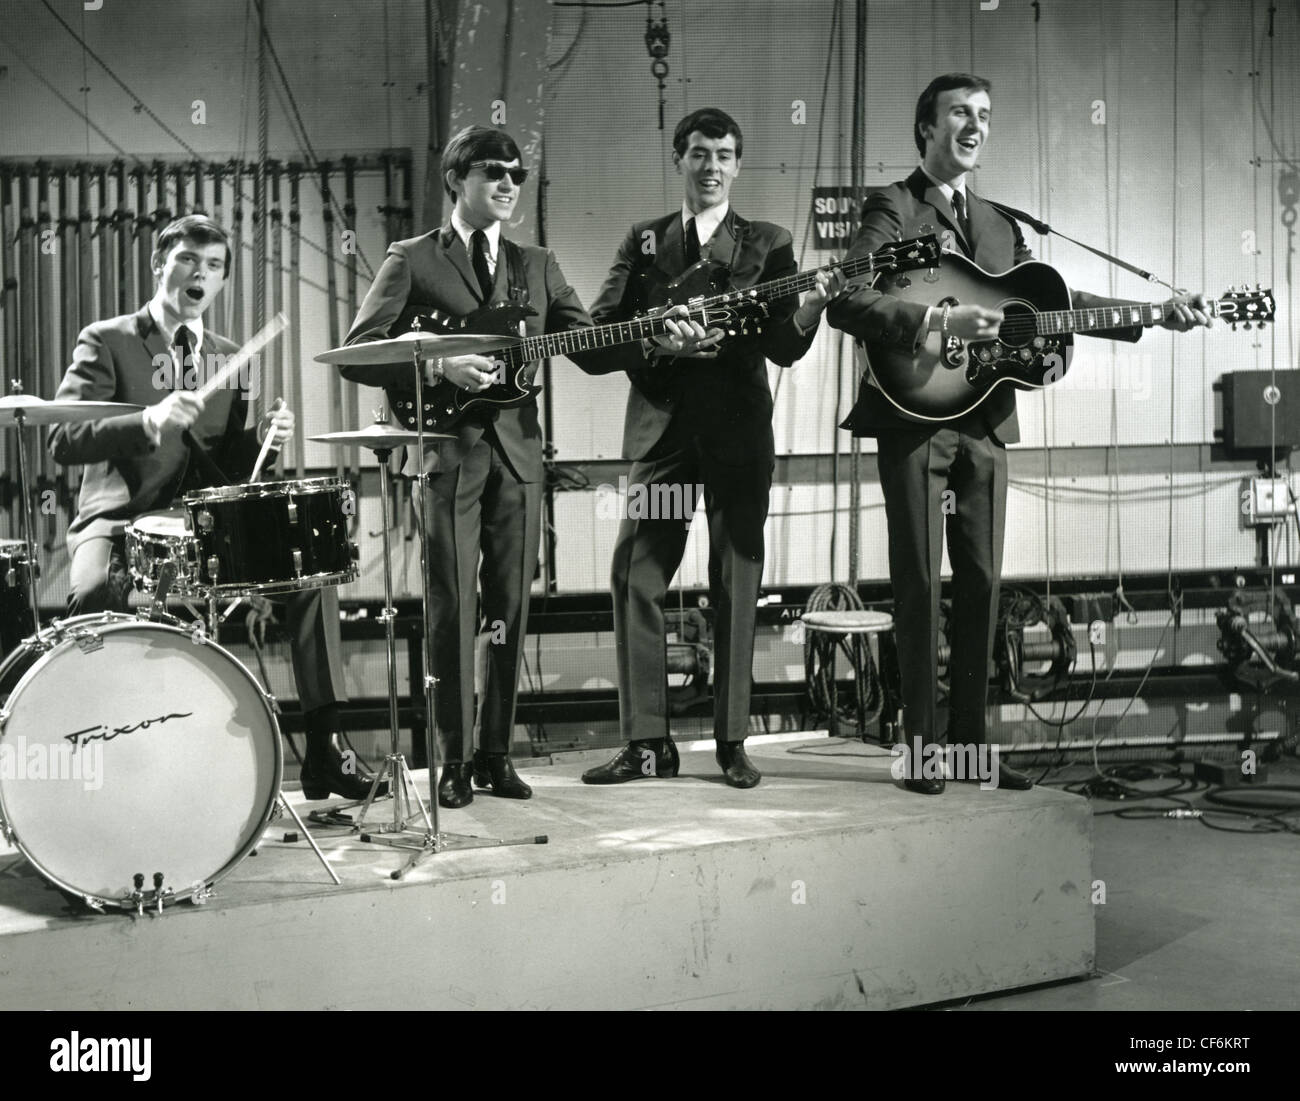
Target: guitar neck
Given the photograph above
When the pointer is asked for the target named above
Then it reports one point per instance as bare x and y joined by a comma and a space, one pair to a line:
807, 280
545, 345
1146, 314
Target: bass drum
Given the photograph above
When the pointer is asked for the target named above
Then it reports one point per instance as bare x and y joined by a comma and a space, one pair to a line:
138, 761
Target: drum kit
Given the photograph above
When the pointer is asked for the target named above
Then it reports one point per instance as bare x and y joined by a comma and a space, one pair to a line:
131, 743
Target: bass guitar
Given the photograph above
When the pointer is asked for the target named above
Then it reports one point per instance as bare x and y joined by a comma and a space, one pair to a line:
947, 378
703, 289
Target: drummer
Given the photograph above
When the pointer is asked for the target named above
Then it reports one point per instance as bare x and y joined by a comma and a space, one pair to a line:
141, 462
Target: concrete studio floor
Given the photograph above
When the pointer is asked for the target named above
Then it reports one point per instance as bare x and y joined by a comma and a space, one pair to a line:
1194, 918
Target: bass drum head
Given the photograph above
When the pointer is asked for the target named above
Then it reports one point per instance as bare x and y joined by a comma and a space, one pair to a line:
130, 749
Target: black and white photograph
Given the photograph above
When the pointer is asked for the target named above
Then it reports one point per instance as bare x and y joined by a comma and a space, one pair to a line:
605, 505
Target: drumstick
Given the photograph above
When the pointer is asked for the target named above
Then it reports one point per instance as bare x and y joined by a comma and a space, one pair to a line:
266, 443
260, 340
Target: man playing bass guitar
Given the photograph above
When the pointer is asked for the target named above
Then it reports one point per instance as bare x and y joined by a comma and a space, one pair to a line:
705, 419
919, 461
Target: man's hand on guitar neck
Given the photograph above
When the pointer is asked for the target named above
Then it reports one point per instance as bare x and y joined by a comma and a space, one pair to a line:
1186, 311
830, 281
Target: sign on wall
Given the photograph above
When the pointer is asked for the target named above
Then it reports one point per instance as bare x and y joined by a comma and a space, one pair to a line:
835, 215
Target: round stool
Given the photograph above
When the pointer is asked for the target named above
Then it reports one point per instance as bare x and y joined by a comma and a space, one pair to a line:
856, 628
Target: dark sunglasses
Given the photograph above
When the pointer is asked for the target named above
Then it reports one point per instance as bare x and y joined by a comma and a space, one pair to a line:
495, 170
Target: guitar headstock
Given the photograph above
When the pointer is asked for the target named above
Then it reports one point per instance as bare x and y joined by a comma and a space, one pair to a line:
1245, 307
915, 252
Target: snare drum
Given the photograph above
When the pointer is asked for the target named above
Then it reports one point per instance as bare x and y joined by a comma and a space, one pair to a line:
271, 537
156, 538
131, 748
15, 599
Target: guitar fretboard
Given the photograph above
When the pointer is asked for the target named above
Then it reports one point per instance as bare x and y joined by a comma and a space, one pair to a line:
1146, 314
1100, 317
545, 345
807, 280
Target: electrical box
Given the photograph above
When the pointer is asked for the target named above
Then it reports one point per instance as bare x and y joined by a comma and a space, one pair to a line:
1270, 501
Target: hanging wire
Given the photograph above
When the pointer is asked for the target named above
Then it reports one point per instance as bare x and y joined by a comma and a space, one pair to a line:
1174, 601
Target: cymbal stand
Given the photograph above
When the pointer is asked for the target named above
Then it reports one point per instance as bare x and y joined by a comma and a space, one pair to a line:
435, 840
401, 782
29, 526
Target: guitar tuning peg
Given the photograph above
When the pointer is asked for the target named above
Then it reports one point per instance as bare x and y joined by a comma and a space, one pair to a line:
1245, 324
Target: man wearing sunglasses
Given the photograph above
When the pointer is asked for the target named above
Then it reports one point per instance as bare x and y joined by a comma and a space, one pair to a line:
703, 419
484, 493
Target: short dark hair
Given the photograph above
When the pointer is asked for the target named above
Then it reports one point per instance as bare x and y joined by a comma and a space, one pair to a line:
712, 122
475, 143
925, 106
193, 227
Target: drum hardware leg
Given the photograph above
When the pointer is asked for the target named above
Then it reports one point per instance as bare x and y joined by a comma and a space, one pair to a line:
401, 786
29, 527
284, 805
166, 577
202, 895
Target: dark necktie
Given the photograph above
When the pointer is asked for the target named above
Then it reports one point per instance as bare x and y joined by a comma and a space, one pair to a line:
959, 208
478, 252
183, 343
692, 243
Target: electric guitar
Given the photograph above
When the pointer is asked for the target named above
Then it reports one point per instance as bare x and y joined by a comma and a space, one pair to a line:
947, 378
704, 289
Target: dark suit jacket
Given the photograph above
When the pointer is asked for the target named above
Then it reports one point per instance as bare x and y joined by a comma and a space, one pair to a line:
727, 400
125, 473
434, 272
900, 211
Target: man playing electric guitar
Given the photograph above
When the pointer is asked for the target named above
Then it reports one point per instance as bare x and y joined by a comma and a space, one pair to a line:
485, 484
920, 461
705, 420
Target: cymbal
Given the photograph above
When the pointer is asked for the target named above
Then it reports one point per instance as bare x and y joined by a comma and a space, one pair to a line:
39, 411
398, 349
378, 437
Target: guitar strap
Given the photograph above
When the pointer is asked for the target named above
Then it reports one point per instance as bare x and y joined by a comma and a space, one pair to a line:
517, 279
1044, 228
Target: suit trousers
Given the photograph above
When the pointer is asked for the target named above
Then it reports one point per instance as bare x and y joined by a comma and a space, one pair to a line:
484, 529
649, 548
100, 581
953, 478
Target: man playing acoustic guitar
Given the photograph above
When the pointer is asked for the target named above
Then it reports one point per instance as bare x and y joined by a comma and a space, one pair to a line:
920, 460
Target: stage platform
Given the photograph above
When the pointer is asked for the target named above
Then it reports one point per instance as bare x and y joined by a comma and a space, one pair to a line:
826, 887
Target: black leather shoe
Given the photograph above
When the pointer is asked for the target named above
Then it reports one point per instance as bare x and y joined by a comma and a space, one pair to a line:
454, 790
1008, 778
631, 763
497, 771
327, 769
736, 765
925, 787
